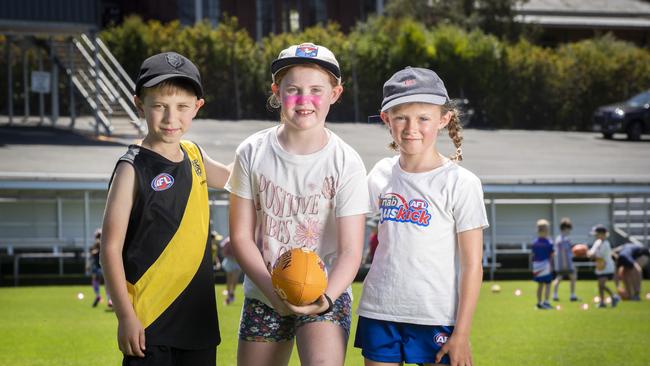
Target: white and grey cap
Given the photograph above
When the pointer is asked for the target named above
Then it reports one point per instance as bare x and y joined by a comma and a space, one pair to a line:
306, 53
414, 85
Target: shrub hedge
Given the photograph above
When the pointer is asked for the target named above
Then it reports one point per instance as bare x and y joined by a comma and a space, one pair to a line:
510, 85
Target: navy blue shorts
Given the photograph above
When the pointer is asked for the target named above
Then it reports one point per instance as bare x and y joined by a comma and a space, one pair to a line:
544, 279
607, 276
386, 341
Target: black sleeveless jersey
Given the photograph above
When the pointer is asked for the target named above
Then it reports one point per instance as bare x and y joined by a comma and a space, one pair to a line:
167, 256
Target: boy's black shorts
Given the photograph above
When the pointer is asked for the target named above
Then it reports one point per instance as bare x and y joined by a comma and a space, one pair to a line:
170, 356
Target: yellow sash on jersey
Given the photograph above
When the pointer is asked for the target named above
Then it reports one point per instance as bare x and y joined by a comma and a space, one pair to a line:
164, 281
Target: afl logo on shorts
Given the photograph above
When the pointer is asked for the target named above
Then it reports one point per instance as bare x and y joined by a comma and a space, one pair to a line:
162, 181
440, 338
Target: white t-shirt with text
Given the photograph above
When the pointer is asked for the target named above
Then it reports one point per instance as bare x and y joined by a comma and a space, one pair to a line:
414, 276
297, 197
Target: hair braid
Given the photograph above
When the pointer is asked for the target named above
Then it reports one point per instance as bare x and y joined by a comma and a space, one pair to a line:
455, 130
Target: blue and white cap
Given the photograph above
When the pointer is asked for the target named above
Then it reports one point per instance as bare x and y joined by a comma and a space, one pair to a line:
306, 53
414, 85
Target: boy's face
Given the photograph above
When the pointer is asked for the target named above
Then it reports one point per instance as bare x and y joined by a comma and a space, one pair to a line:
306, 94
542, 232
168, 115
415, 126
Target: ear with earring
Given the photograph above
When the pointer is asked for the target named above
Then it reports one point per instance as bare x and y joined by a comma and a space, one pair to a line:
274, 102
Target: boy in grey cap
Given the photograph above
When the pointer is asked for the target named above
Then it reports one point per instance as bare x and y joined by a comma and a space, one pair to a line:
421, 291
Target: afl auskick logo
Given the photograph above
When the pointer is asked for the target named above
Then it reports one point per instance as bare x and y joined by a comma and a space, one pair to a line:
162, 181
440, 338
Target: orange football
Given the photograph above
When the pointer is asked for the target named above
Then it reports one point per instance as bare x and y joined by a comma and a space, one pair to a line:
580, 250
299, 276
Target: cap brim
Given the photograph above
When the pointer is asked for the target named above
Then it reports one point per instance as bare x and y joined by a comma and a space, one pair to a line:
280, 64
415, 98
160, 78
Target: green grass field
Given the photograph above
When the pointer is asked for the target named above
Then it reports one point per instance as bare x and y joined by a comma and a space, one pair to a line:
50, 326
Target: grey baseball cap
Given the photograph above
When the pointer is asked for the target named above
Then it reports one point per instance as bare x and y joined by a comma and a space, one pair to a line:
168, 65
414, 85
307, 53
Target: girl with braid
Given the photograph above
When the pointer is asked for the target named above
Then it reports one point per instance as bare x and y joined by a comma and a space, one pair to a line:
421, 291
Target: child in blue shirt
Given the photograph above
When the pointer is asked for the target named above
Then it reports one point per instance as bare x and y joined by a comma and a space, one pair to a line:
542, 251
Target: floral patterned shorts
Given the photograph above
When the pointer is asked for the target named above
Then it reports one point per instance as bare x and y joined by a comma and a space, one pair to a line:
260, 323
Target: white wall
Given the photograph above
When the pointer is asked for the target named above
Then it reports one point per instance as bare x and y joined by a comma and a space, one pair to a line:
32, 222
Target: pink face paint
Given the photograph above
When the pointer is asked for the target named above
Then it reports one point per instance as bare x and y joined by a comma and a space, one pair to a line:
291, 101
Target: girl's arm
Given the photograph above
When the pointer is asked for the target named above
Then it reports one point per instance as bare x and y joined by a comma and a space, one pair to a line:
349, 249
242, 241
130, 333
470, 243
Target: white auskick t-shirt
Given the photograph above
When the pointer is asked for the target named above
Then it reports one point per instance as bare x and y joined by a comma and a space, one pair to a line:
414, 277
297, 197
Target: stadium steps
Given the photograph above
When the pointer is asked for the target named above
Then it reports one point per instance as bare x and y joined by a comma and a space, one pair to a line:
632, 216
115, 111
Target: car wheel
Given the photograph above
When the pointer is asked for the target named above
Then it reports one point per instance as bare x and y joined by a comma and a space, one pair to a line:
634, 131
608, 135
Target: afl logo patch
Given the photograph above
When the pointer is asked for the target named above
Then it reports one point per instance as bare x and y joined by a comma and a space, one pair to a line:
440, 338
162, 181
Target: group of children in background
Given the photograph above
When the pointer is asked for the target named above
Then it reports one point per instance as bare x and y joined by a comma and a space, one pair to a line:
552, 261
298, 184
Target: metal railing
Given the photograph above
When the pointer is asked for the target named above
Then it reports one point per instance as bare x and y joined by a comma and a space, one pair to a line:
100, 79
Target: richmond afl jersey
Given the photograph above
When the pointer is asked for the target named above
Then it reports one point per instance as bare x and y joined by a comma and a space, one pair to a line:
166, 254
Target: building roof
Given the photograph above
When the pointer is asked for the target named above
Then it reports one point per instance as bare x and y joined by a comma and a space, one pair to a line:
607, 14
49, 17
559, 21
46, 158
593, 7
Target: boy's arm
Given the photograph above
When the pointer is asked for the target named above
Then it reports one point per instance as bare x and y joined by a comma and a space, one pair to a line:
470, 243
242, 241
217, 174
130, 334
550, 258
594, 251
